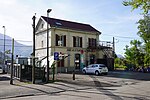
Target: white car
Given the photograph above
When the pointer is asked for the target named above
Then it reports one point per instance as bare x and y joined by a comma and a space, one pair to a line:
95, 69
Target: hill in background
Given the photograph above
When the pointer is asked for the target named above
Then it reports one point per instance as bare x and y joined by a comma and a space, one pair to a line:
19, 49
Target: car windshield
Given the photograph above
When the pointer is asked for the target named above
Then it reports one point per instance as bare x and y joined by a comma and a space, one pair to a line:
102, 66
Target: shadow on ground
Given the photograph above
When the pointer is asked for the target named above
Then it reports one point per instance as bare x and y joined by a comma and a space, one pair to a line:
129, 75
4, 78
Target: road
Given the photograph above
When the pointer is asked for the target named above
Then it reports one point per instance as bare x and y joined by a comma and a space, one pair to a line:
117, 85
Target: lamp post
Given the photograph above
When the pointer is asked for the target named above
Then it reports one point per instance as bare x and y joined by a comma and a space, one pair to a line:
4, 49
33, 67
47, 78
12, 63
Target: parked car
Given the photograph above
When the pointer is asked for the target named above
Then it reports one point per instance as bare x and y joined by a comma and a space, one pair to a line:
95, 69
1, 70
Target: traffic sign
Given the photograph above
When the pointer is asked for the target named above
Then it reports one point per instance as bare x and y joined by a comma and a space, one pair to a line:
56, 56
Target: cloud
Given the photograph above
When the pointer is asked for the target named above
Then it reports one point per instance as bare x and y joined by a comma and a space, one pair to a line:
109, 17
16, 18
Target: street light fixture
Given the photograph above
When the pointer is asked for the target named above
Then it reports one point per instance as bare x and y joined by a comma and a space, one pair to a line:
4, 49
47, 78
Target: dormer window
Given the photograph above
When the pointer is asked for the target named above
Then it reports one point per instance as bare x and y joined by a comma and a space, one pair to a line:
58, 23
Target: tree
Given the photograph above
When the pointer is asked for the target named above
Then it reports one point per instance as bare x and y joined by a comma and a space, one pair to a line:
144, 33
142, 53
134, 55
143, 4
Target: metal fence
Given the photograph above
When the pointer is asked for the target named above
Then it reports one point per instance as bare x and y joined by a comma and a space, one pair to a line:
24, 72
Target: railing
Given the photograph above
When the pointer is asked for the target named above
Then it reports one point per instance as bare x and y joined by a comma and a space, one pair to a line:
101, 45
105, 44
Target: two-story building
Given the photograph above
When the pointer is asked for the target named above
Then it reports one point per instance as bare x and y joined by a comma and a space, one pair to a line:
79, 41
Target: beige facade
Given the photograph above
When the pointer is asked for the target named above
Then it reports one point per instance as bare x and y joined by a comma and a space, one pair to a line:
72, 42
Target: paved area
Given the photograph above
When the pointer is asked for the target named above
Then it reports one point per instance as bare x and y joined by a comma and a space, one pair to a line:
114, 86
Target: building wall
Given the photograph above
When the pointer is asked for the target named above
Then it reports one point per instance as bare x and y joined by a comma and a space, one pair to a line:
68, 49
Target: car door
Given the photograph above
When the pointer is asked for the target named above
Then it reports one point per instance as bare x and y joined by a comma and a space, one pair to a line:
89, 69
93, 68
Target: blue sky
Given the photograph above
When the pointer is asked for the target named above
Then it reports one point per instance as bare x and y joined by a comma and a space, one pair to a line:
108, 16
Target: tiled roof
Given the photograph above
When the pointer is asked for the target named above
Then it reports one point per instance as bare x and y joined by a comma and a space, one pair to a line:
69, 25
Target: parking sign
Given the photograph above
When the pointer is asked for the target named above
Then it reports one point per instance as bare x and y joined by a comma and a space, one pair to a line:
56, 56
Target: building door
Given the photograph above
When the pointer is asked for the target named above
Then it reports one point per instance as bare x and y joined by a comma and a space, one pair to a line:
92, 59
77, 61
61, 63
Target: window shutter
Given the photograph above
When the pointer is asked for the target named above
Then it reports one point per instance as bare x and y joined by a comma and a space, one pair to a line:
95, 42
89, 41
56, 40
80, 41
74, 41
64, 42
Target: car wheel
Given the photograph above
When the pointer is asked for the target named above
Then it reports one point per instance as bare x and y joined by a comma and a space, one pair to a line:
84, 72
96, 73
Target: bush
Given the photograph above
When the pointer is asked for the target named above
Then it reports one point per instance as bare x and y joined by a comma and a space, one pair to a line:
120, 66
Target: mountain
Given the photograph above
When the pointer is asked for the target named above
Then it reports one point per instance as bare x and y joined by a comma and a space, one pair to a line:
120, 56
19, 49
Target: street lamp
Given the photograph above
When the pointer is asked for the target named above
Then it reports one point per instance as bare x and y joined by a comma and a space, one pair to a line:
47, 79
33, 67
4, 49
12, 62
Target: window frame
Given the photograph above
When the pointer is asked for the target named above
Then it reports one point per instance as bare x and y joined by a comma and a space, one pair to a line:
60, 38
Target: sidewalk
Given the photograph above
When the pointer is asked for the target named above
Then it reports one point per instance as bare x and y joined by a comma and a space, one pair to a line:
84, 80
21, 89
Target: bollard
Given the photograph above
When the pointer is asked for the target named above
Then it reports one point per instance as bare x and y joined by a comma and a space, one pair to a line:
53, 68
73, 75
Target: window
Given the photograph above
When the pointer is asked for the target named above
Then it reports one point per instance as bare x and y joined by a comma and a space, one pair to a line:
92, 42
60, 40
42, 26
42, 44
77, 41
58, 23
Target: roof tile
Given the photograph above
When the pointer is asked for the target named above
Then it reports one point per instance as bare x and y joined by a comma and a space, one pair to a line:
69, 25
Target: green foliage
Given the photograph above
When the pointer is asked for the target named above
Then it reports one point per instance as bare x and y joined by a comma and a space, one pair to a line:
143, 4
119, 63
120, 66
144, 28
134, 55
139, 52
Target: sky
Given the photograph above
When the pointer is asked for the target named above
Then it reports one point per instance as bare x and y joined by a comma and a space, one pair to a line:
110, 17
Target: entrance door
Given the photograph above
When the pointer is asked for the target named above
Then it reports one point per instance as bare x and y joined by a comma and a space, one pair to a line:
92, 59
61, 63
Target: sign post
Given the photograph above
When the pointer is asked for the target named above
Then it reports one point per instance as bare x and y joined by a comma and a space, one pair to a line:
56, 57
82, 60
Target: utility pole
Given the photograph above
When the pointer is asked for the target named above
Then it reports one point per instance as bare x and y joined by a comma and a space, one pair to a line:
4, 49
47, 78
12, 61
33, 67
113, 51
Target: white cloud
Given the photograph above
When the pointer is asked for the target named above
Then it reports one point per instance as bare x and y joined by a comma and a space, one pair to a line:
16, 15
16, 18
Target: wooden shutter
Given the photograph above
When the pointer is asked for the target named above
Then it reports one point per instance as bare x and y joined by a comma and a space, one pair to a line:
89, 41
56, 41
80, 41
74, 41
95, 42
64, 42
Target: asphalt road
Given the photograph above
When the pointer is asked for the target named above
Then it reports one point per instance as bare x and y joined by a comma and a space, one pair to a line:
117, 85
